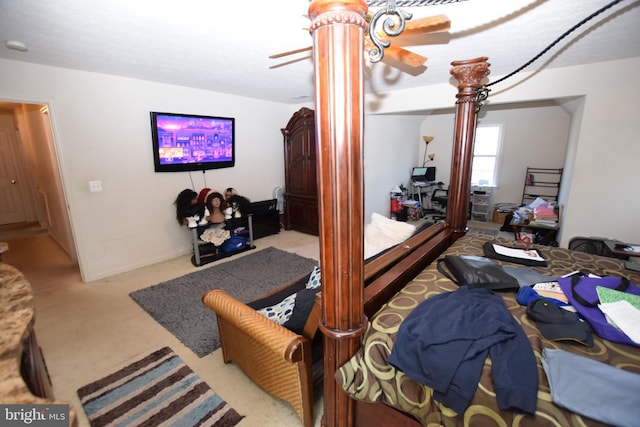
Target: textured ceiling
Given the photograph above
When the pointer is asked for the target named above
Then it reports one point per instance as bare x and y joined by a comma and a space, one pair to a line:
224, 46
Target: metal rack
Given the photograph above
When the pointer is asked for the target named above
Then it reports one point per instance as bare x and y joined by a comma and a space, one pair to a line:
204, 253
541, 182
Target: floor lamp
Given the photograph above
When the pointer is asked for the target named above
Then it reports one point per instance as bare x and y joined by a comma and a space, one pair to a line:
427, 140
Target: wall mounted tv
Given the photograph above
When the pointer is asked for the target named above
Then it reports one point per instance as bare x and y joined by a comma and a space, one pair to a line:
187, 142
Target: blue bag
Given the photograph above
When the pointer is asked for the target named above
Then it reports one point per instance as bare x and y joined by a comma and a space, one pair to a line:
234, 243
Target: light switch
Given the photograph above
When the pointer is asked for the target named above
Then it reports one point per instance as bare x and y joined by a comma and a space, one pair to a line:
95, 186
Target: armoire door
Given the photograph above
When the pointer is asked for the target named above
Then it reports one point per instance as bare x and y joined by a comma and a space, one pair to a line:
301, 187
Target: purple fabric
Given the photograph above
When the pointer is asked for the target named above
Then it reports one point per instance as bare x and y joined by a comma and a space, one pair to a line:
586, 288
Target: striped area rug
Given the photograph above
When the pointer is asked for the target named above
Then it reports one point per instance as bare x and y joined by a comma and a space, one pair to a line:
157, 390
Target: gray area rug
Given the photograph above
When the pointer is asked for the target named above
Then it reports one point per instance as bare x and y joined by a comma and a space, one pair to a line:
177, 304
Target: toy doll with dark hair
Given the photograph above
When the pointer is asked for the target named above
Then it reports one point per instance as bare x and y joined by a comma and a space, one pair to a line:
230, 192
188, 208
239, 204
216, 204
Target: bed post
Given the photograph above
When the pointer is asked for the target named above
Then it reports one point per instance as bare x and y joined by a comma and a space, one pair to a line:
337, 28
470, 74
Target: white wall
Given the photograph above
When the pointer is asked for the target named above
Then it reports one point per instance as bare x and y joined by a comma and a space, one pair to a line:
602, 191
533, 134
101, 126
102, 130
391, 145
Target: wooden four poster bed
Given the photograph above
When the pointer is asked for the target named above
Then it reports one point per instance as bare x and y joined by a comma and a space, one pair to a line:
337, 28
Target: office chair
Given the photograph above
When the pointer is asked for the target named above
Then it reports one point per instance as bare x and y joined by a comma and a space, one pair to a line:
440, 197
591, 245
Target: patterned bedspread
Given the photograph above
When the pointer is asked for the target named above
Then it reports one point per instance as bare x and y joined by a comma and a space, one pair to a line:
368, 377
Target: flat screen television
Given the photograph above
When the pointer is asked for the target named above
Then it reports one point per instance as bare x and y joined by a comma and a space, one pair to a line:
187, 142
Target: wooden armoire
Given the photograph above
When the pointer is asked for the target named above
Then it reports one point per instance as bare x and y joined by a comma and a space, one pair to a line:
300, 181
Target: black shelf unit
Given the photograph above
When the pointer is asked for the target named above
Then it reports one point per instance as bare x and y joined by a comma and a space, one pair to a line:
541, 182
204, 253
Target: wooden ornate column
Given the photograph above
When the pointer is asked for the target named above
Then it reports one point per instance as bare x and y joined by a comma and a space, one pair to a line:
338, 29
469, 74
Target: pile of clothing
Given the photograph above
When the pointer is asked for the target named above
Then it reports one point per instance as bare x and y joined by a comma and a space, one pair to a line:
539, 212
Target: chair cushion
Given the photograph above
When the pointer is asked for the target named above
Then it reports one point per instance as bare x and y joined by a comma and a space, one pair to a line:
301, 310
280, 312
314, 278
291, 306
279, 295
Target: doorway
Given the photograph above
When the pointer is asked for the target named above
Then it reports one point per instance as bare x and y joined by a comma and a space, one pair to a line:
31, 191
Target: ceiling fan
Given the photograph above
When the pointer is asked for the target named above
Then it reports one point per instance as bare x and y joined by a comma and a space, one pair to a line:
415, 32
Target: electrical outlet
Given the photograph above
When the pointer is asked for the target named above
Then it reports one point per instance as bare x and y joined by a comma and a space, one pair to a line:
95, 186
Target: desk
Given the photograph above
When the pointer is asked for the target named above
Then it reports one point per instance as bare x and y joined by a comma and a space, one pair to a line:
543, 235
423, 188
623, 250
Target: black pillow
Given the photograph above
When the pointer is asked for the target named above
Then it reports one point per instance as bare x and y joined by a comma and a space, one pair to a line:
280, 295
301, 310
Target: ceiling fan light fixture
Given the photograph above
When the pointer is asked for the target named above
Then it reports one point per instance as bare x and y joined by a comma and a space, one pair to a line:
16, 45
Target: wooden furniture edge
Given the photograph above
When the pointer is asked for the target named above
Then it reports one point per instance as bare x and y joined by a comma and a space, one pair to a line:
338, 29
377, 266
388, 284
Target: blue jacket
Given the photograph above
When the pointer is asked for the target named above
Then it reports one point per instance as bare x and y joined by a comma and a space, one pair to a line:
445, 340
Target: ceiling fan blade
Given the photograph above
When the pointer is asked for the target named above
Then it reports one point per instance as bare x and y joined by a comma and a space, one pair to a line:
293, 61
430, 24
405, 56
290, 52
439, 23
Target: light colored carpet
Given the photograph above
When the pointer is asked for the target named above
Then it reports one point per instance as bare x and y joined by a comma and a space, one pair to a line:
177, 304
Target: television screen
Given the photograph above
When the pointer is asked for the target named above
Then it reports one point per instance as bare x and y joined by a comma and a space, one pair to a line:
186, 142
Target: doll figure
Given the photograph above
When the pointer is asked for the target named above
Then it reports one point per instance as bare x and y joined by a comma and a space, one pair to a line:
229, 192
205, 215
239, 204
216, 205
188, 211
202, 196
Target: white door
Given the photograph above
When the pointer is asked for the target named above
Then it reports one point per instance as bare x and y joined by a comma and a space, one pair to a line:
11, 206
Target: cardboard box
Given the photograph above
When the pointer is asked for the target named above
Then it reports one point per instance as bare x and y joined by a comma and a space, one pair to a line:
499, 216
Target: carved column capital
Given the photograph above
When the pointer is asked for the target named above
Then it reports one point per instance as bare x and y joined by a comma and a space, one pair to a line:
338, 11
345, 13
470, 73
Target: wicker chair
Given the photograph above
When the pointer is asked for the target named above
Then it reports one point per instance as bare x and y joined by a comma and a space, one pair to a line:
281, 361
275, 358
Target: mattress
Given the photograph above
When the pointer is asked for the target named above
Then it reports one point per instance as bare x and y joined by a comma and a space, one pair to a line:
367, 376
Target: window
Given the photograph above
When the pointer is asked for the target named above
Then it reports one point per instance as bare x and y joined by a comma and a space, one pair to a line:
485, 156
